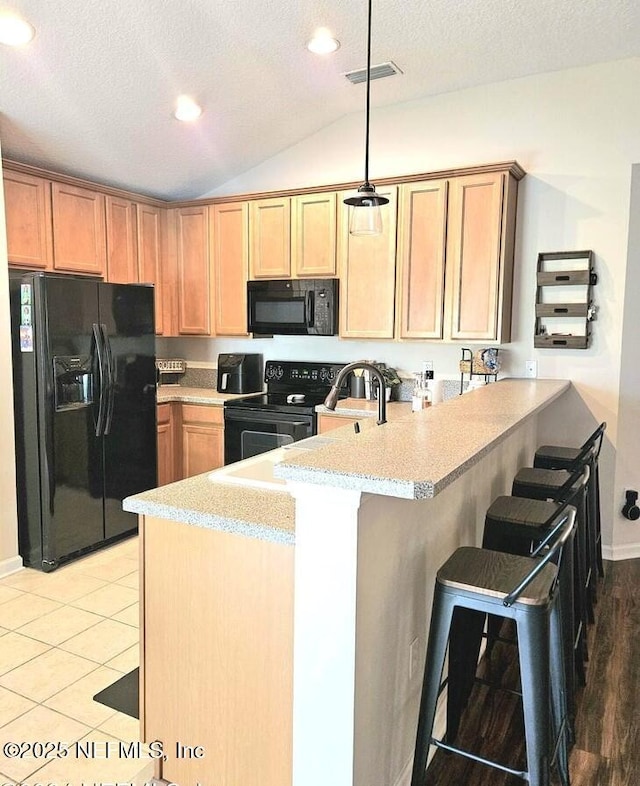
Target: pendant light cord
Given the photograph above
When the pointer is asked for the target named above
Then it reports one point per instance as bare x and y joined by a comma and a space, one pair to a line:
366, 137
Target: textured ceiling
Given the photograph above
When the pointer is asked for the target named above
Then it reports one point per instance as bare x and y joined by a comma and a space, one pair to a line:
92, 94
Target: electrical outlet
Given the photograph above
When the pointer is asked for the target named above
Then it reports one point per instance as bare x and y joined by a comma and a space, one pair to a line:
531, 368
414, 657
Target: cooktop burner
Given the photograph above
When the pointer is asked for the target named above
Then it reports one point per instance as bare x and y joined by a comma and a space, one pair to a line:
292, 387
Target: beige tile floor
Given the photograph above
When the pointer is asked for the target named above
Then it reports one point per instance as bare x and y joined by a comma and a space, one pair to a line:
63, 637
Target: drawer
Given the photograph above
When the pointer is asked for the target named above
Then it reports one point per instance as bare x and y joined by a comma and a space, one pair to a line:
197, 413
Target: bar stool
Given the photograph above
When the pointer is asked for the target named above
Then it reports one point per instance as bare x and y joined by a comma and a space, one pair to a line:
545, 484
563, 457
524, 589
518, 525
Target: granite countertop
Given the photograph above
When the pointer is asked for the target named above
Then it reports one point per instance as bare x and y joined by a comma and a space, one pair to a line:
238, 509
416, 456
165, 394
413, 456
363, 408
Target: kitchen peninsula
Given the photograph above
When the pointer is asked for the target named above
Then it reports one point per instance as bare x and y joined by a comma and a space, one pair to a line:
285, 620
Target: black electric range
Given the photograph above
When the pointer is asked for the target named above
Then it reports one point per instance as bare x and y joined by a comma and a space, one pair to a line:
285, 413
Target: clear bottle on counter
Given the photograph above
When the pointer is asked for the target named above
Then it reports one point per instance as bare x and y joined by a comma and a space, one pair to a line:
421, 398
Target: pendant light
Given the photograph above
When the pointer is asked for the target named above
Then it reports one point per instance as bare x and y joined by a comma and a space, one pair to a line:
366, 218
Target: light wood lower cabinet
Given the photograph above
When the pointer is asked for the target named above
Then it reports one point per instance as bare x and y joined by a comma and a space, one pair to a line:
202, 435
329, 422
217, 653
28, 218
167, 472
190, 440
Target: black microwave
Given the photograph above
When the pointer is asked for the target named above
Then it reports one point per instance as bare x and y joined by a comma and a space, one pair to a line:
296, 307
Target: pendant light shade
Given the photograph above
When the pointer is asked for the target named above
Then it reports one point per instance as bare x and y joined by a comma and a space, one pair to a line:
366, 218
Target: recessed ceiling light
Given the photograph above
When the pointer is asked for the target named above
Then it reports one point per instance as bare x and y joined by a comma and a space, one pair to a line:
15, 31
187, 109
323, 43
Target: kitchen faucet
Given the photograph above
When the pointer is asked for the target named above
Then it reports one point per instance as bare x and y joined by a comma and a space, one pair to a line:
332, 399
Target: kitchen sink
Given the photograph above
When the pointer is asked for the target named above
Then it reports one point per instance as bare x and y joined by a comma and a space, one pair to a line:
257, 471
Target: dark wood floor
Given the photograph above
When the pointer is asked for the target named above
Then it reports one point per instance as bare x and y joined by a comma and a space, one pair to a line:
607, 749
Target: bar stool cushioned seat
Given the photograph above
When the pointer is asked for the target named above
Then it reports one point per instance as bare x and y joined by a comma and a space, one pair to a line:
524, 589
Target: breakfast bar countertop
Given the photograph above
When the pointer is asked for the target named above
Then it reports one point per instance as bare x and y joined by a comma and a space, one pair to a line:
416, 456
413, 456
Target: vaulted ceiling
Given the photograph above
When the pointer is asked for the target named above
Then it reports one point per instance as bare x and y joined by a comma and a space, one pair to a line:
92, 95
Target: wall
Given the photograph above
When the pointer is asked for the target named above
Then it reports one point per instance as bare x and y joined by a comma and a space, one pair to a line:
575, 132
627, 473
9, 560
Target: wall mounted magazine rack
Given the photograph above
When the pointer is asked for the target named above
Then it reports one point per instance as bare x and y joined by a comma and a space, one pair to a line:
564, 304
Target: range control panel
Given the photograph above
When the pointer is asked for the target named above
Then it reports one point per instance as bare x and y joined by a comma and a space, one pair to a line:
302, 375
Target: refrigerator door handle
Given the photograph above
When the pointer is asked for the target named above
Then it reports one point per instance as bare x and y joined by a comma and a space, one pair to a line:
111, 378
102, 403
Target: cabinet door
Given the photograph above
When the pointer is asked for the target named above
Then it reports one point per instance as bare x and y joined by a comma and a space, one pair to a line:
270, 238
166, 446
313, 235
329, 422
229, 246
122, 252
367, 275
202, 439
194, 310
474, 254
422, 233
28, 218
150, 256
79, 234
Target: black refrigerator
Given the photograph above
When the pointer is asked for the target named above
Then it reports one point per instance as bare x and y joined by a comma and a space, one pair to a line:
85, 411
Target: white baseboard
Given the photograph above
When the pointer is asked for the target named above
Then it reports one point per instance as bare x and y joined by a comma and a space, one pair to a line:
9, 566
627, 551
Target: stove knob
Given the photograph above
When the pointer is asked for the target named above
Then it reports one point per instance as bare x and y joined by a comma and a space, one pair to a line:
279, 372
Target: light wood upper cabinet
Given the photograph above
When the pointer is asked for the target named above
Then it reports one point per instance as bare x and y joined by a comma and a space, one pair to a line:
481, 229
229, 248
202, 439
122, 251
422, 234
192, 243
150, 230
270, 238
79, 238
313, 235
28, 218
367, 268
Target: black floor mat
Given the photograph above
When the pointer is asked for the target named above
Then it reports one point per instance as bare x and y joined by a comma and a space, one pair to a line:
122, 695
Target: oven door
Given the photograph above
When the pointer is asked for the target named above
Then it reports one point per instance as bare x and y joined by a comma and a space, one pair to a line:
250, 432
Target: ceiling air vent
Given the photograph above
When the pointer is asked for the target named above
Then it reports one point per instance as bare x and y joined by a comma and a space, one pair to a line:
377, 72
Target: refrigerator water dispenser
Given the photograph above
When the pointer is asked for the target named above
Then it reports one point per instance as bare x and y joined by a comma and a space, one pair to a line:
73, 381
